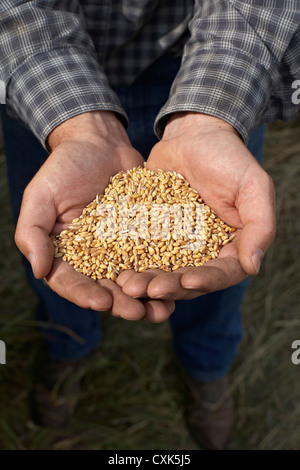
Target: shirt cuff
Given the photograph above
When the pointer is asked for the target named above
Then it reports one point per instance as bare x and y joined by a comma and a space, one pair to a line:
221, 83
54, 86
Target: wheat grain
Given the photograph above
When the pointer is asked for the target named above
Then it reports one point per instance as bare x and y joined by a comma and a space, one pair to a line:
139, 247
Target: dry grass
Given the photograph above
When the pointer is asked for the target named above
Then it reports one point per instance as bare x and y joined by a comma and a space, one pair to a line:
133, 395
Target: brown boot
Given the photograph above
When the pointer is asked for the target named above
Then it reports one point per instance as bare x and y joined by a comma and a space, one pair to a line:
210, 413
55, 392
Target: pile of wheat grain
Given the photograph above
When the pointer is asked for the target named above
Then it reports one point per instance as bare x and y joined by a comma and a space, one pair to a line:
99, 255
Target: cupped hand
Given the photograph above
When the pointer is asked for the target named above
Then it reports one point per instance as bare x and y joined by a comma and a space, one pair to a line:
86, 151
209, 153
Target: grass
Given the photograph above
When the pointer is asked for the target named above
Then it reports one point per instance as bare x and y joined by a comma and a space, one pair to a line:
133, 395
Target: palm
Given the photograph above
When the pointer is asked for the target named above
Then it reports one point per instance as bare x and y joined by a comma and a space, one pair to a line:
212, 166
89, 177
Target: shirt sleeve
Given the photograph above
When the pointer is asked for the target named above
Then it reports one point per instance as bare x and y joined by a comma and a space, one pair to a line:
239, 63
49, 65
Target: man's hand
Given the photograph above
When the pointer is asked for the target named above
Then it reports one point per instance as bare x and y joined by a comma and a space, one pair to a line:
208, 152
85, 152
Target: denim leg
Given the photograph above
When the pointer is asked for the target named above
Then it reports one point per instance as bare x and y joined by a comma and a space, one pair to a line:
24, 156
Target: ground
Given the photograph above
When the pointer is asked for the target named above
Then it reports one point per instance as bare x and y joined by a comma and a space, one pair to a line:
133, 394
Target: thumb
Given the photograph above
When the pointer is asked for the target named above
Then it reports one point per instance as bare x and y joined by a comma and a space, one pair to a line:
36, 220
254, 242
259, 224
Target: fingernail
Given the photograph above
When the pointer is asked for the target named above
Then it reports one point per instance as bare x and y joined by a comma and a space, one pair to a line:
257, 259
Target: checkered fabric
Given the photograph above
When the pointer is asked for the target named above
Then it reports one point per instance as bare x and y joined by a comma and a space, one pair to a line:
60, 58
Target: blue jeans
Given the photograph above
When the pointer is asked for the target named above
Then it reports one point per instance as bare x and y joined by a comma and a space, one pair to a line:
207, 330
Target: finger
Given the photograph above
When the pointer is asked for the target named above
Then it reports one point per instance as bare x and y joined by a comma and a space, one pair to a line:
123, 306
214, 275
158, 311
255, 241
166, 286
78, 288
157, 284
257, 213
36, 219
124, 276
135, 284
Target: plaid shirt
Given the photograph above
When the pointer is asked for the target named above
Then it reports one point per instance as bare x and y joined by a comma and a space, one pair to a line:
60, 58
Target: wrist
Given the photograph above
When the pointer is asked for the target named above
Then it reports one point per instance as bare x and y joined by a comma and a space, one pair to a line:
182, 122
92, 127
